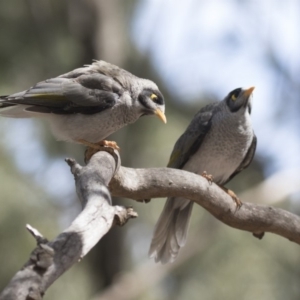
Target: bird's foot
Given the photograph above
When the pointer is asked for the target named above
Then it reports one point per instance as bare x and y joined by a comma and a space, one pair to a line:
100, 145
92, 148
109, 144
234, 197
208, 177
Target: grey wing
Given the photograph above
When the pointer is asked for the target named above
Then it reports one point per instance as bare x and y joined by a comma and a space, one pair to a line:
119, 75
88, 93
192, 138
247, 160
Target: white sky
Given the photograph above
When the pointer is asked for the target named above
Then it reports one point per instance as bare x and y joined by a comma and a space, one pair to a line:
215, 46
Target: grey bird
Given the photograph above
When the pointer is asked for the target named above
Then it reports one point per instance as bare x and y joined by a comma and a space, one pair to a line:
87, 104
219, 141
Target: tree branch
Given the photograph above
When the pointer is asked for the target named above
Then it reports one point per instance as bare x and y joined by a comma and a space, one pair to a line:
51, 259
141, 184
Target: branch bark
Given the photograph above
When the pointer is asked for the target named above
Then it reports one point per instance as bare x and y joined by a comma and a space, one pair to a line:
51, 259
165, 182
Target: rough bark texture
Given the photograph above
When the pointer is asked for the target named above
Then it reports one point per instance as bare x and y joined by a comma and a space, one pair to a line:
51, 259
165, 182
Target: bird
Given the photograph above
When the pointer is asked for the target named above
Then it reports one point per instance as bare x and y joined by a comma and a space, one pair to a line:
218, 144
88, 104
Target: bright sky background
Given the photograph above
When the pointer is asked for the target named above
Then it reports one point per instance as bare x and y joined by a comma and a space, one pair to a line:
216, 46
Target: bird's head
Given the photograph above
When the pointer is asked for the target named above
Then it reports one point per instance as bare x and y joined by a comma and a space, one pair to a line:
151, 102
239, 99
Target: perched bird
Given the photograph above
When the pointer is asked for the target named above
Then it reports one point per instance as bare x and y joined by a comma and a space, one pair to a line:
87, 104
219, 141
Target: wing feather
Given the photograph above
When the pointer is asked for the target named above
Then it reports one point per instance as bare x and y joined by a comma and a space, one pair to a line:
87, 93
192, 138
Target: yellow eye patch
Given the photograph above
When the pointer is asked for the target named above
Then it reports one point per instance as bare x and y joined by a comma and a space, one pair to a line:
153, 97
233, 97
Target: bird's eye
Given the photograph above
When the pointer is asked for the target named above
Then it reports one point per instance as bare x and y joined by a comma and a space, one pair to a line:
153, 97
234, 94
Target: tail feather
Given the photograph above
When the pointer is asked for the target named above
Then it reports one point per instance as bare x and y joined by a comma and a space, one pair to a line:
12, 110
4, 104
3, 100
182, 224
171, 229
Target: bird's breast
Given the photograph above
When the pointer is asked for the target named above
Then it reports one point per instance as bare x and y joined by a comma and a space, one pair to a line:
222, 150
92, 128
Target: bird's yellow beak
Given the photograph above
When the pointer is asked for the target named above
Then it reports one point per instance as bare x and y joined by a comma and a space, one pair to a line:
160, 115
249, 91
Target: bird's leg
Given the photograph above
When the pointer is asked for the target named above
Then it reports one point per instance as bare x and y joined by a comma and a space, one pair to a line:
231, 193
100, 145
234, 197
93, 148
208, 177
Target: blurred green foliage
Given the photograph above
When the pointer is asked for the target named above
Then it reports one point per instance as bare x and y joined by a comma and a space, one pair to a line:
41, 39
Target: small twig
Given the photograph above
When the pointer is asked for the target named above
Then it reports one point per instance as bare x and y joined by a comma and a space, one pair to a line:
75, 167
123, 215
36, 234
